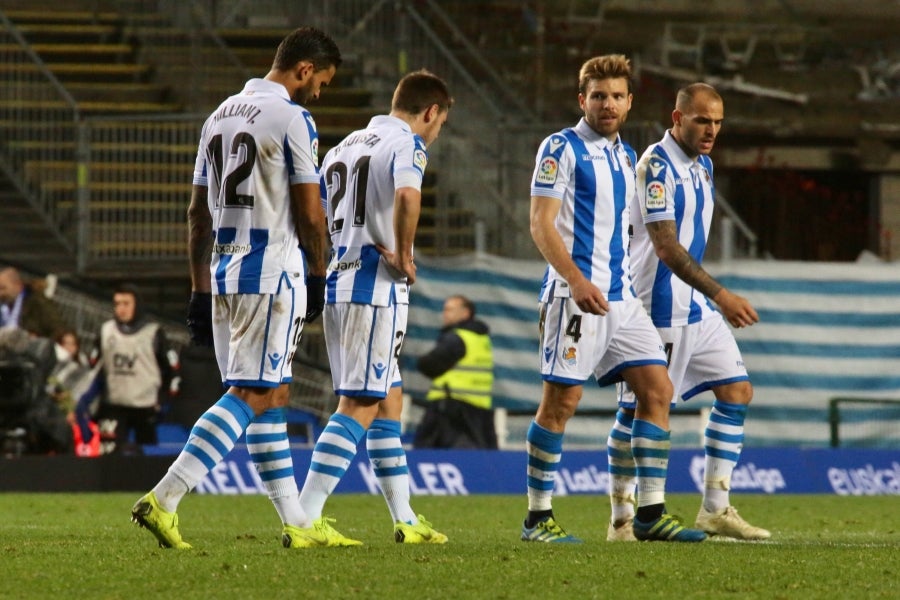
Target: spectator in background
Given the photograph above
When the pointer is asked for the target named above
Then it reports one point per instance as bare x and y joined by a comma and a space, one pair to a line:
27, 410
136, 362
69, 379
25, 306
459, 412
69, 348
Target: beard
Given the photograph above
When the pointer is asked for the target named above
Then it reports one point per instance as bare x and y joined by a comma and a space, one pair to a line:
302, 95
605, 128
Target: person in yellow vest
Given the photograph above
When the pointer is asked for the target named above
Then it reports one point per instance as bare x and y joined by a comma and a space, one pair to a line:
459, 411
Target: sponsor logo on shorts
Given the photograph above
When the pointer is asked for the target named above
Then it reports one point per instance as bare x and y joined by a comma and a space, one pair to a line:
379, 369
274, 360
548, 354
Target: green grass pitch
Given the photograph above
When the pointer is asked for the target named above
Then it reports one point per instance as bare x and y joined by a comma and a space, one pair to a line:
84, 546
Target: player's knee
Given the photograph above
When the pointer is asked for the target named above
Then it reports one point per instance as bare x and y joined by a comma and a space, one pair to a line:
740, 393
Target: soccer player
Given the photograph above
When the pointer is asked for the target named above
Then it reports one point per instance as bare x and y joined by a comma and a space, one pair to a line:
371, 184
592, 324
670, 220
254, 214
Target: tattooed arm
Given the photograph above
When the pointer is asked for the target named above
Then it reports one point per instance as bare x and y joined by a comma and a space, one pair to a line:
736, 309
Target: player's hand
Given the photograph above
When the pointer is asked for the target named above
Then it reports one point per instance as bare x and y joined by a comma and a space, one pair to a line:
737, 310
397, 266
589, 298
315, 297
199, 319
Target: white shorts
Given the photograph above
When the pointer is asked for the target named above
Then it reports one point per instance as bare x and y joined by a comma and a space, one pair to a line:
702, 356
256, 334
364, 345
576, 345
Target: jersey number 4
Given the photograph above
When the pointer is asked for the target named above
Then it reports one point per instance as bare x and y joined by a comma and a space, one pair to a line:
338, 178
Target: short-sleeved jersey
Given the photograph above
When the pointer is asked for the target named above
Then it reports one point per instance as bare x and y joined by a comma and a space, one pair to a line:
252, 149
595, 180
673, 187
359, 178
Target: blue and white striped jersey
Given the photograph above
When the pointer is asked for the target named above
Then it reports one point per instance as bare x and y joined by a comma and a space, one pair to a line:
252, 149
594, 179
671, 186
359, 178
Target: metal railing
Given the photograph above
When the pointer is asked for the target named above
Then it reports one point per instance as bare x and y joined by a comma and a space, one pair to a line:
38, 116
866, 422
117, 188
135, 189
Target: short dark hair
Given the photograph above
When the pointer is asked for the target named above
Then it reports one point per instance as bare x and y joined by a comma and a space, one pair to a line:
420, 90
307, 43
686, 95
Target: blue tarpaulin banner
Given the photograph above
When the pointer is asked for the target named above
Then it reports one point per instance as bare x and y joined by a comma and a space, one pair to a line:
462, 472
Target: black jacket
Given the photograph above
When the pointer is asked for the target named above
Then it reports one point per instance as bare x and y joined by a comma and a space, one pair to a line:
449, 349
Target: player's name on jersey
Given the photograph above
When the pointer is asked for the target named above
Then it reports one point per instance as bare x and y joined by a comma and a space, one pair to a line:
248, 111
369, 139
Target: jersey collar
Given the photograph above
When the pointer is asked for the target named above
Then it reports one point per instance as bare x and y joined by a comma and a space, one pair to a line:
389, 120
676, 154
264, 85
587, 133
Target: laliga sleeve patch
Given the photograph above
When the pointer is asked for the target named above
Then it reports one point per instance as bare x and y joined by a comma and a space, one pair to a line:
420, 159
656, 196
547, 170
314, 150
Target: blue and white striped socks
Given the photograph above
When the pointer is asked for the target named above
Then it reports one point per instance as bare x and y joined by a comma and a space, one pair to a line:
544, 453
333, 453
723, 441
650, 445
270, 449
622, 470
389, 463
213, 436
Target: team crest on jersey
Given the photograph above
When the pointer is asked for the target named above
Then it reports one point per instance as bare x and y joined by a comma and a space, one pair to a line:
547, 170
656, 195
570, 355
628, 161
706, 175
420, 159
